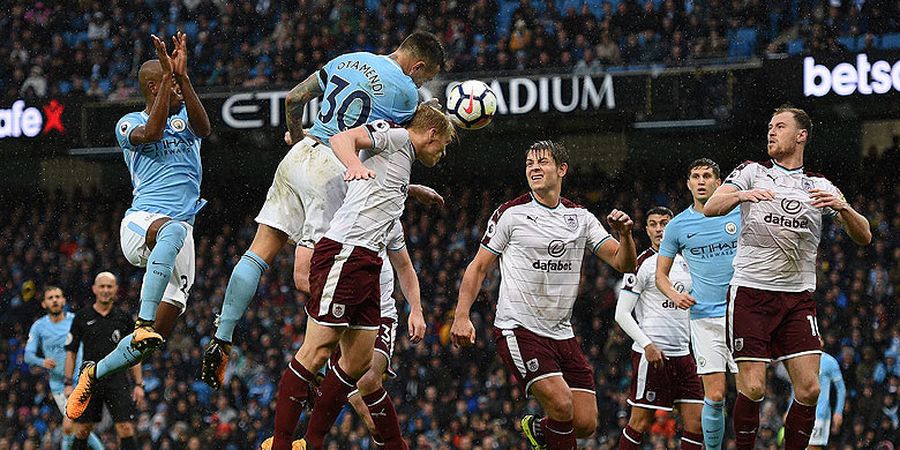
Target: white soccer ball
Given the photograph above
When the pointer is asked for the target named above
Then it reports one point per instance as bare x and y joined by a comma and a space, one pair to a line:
471, 104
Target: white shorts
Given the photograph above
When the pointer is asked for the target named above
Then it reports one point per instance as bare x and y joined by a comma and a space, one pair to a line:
60, 399
708, 345
821, 429
307, 189
133, 233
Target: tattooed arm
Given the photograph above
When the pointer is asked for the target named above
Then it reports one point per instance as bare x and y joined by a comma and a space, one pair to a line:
294, 103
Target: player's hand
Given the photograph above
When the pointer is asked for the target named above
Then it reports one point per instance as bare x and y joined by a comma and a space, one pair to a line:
462, 332
823, 199
654, 355
287, 138
683, 300
837, 419
49, 364
416, 325
619, 221
359, 172
162, 55
426, 195
137, 394
67, 391
755, 195
179, 55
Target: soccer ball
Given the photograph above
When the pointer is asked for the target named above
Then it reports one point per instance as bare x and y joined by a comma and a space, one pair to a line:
471, 104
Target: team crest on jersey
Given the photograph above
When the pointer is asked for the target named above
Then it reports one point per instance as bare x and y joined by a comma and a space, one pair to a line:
571, 221
808, 184
730, 228
533, 365
651, 395
738, 344
337, 310
178, 124
116, 336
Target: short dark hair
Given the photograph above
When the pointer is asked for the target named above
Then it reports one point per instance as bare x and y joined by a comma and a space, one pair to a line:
660, 211
425, 46
802, 118
558, 151
705, 162
53, 288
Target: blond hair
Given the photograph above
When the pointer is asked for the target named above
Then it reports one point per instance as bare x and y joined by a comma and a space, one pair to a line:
429, 116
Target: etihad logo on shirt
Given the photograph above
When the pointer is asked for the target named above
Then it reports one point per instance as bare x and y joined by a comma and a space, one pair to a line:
552, 265
715, 249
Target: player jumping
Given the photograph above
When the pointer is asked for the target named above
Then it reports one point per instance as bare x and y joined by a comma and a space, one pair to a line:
771, 312
162, 152
308, 186
540, 239
663, 372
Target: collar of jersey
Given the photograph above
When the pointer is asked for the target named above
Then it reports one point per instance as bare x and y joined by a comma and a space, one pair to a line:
534, 199
785, 169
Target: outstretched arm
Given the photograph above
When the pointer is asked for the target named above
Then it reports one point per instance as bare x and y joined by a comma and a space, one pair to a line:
462, 332
294, 103
152, 131
728, 196
197, 117
854, 223
346, 146
621, 254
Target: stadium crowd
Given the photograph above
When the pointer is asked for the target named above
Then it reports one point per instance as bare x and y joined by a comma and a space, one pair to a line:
445, 397
93, 49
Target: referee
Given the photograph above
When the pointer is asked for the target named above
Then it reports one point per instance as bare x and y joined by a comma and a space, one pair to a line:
99, 328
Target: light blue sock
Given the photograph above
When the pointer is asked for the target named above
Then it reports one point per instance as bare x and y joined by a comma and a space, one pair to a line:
123, 357
241, 287
713, 422
67, 441
160, 264
94, 442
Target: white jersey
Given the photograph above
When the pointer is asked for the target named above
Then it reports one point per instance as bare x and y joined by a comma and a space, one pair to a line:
541, 250
665, 324
395, 243
371, 206
779, 239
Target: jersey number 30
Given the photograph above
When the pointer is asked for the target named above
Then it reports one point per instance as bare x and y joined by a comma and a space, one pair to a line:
341, 110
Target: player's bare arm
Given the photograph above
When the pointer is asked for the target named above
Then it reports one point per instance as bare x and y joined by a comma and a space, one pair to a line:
462, 332
682, 300
197, 117
409, 285
727, 197
159, 111
425, 195
294, 103
855, 224
622, 254
137, 393
69, 372
346, 146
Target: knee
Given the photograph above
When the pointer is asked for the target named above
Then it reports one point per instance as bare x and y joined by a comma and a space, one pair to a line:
560, 407
640, 422
67, 426
808, 393
125, 429
174, 232
313, 358
82, 431
754, 390
716, 395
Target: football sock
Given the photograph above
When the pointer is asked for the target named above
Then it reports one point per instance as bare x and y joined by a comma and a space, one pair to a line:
128, 443
94, 442
746, 422
293, 392
121, 358
382, 411
559, 435
332, 396
630, 439
241, 287
691, 441
712, 420
798, 425
160, 264
67, 441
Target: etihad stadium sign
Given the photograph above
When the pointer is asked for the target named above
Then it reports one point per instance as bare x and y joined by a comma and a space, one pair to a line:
515, 95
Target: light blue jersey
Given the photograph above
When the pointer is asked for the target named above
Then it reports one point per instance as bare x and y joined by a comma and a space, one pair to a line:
165, 174
360, 88
830, 375
51, 339
708, 244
